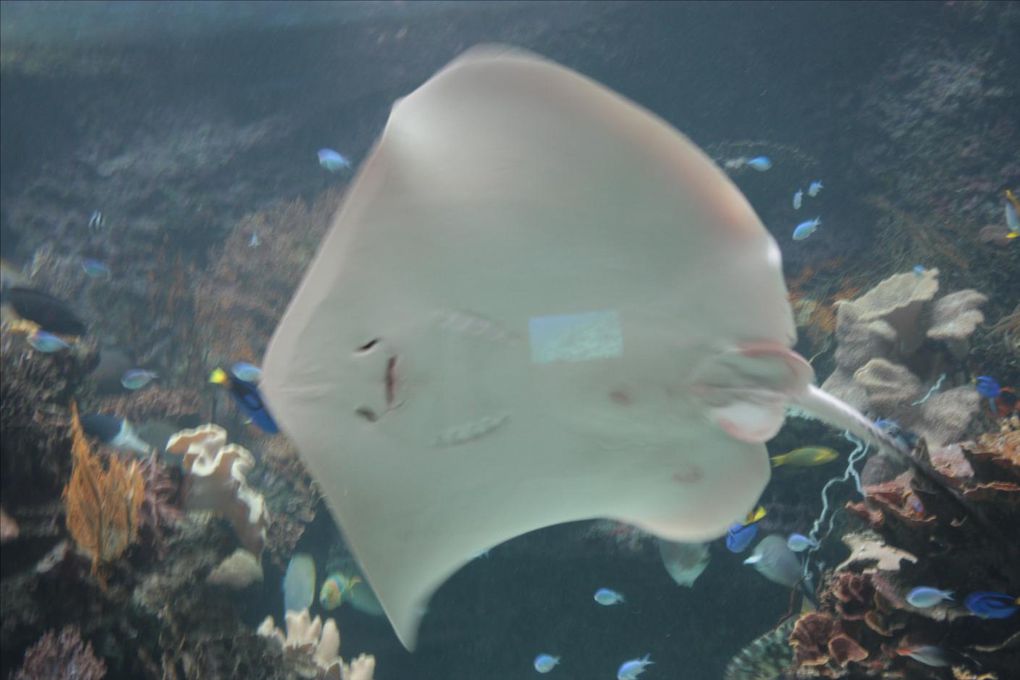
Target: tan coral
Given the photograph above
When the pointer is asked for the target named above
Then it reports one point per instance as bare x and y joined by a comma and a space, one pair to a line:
899, 301
237, 571
955, 317
869, 547
216, 481
314, 648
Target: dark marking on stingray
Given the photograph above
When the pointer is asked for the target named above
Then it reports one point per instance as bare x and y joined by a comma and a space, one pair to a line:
688, 474
391, 381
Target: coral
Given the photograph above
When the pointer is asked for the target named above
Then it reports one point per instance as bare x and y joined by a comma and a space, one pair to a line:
291, 495
897, 344
216, 480
313, 648
61, 655
240, 300
767, 657
943, 524
102, 505
154, 402
237, 571
35, 397
159, 510
8, 527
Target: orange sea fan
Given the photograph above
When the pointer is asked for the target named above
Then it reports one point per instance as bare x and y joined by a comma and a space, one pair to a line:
102, 505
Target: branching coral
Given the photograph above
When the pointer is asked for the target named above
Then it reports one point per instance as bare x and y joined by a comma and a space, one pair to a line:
103, 506
313, 648
894, 344
61, 655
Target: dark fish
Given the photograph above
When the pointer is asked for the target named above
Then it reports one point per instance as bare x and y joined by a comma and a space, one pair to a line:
52, 314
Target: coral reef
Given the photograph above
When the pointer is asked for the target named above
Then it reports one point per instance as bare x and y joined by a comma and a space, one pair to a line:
238, 571
159, 511
61, 655
102, 505
215, 479
766, 658
313, 648
944, 531
897, 345
35, 398
240, 300
154, 402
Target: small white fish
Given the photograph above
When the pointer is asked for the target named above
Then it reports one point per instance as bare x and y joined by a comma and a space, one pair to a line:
137, 378
332, 160
760, 163
629, 670
607, 597
815, 188
805, 229
96, 222
798, 199
254, 241
929, 655
47, 343
546, 662
923, 597
800, 543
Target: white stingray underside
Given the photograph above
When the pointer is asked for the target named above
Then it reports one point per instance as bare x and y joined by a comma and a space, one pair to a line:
539, 303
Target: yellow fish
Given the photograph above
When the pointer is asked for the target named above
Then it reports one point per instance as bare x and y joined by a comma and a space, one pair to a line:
1011, 197
755, 515
334, 588
807, 456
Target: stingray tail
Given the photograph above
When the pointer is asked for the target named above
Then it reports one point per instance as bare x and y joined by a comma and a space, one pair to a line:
838, 413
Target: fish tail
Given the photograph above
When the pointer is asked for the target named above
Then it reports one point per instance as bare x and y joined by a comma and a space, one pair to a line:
777, 460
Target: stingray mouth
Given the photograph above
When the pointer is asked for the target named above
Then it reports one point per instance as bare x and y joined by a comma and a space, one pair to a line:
389, 383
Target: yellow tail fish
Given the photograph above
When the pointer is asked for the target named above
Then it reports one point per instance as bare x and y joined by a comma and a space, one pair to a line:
807, 456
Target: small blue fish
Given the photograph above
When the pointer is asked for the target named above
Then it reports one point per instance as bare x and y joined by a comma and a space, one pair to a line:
607, 597
815, 188
992, 605
805, 229
95, 268
919, 269
798, 199
137, 378
923, 597
740, 536
760, 163
246, 372
546, 662
254, 241
47, 343
988, 387
333, 160
629, 670
800, 543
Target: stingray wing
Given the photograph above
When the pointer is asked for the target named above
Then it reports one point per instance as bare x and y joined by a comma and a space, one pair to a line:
539, 303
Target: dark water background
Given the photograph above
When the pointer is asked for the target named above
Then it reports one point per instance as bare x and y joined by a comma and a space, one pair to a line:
785, 75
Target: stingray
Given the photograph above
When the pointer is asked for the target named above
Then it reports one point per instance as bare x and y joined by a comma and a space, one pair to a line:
539, 303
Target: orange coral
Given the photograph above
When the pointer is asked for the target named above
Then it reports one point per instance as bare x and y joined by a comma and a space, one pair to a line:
102, 505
